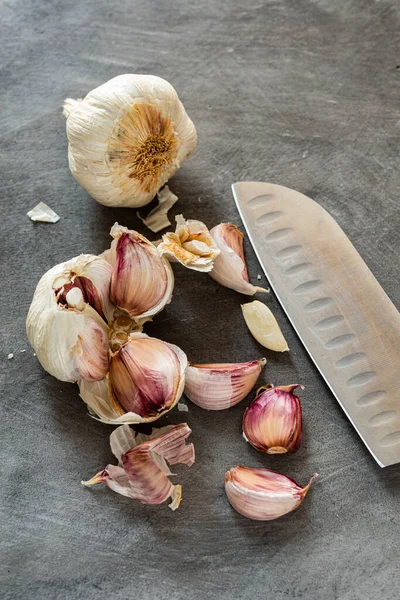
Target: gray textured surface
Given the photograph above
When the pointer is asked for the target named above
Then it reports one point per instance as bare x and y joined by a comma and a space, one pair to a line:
302, 93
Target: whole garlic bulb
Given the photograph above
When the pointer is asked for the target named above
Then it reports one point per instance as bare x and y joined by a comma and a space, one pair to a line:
127, 138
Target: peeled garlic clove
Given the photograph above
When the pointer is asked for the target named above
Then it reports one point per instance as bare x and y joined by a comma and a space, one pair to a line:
127, 138
230, 268
273, 422
219, 386
263, 326
191, 245
146, 380
67, 333
142, 281
261, 494
143, 471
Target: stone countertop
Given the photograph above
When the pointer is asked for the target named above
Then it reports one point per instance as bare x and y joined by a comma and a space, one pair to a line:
305, 94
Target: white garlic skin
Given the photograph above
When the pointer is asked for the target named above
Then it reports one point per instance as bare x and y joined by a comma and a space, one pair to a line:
109, 129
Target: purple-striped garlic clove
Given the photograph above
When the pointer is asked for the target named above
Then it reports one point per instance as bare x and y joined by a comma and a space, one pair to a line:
230, 268
147, 376
142, 473
220, 386
191, 245
142, 281
261, 494
65, 323
273, 421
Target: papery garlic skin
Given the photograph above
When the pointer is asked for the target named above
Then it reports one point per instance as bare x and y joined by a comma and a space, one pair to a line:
143, 471
71, 340
127, 138
261, 494
230, 268
220, 386
273, 421
263, 326
146, 380
191, 245
142, 281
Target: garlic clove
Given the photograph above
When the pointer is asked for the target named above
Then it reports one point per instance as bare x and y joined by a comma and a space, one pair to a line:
273, 421
263, 326
230, 268
261, 494
191, 245
219, 386
143, 471
145, 375
127, 138
71, 340
142, 281
146, 380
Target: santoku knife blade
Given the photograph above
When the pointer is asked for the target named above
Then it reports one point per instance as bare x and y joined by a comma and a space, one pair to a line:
347, 323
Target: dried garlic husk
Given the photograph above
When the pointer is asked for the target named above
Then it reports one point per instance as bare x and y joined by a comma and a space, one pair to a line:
263, 326
273, 422
230, 267
261, 494
191, 245
127, 138
219, 386
157, 219
142, 472
43, 214
64, 323
146, 380
142, 281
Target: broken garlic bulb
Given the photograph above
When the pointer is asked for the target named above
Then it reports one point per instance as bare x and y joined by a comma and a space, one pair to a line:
145, 380
142, 471
263, 326
219, 386
65, 324
191, 245
127, 138
85, 325
263, 495
230, 268
273, 422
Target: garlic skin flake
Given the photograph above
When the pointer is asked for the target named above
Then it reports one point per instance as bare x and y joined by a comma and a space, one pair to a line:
142, 472
230, 268
127, 138
191, 245
263, 326
157, 219
145, 381
273, 421
220, 386
43, 214
263, 495
142, 281
64, 324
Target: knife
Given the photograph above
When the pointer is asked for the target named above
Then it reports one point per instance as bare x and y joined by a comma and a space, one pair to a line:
347, 323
